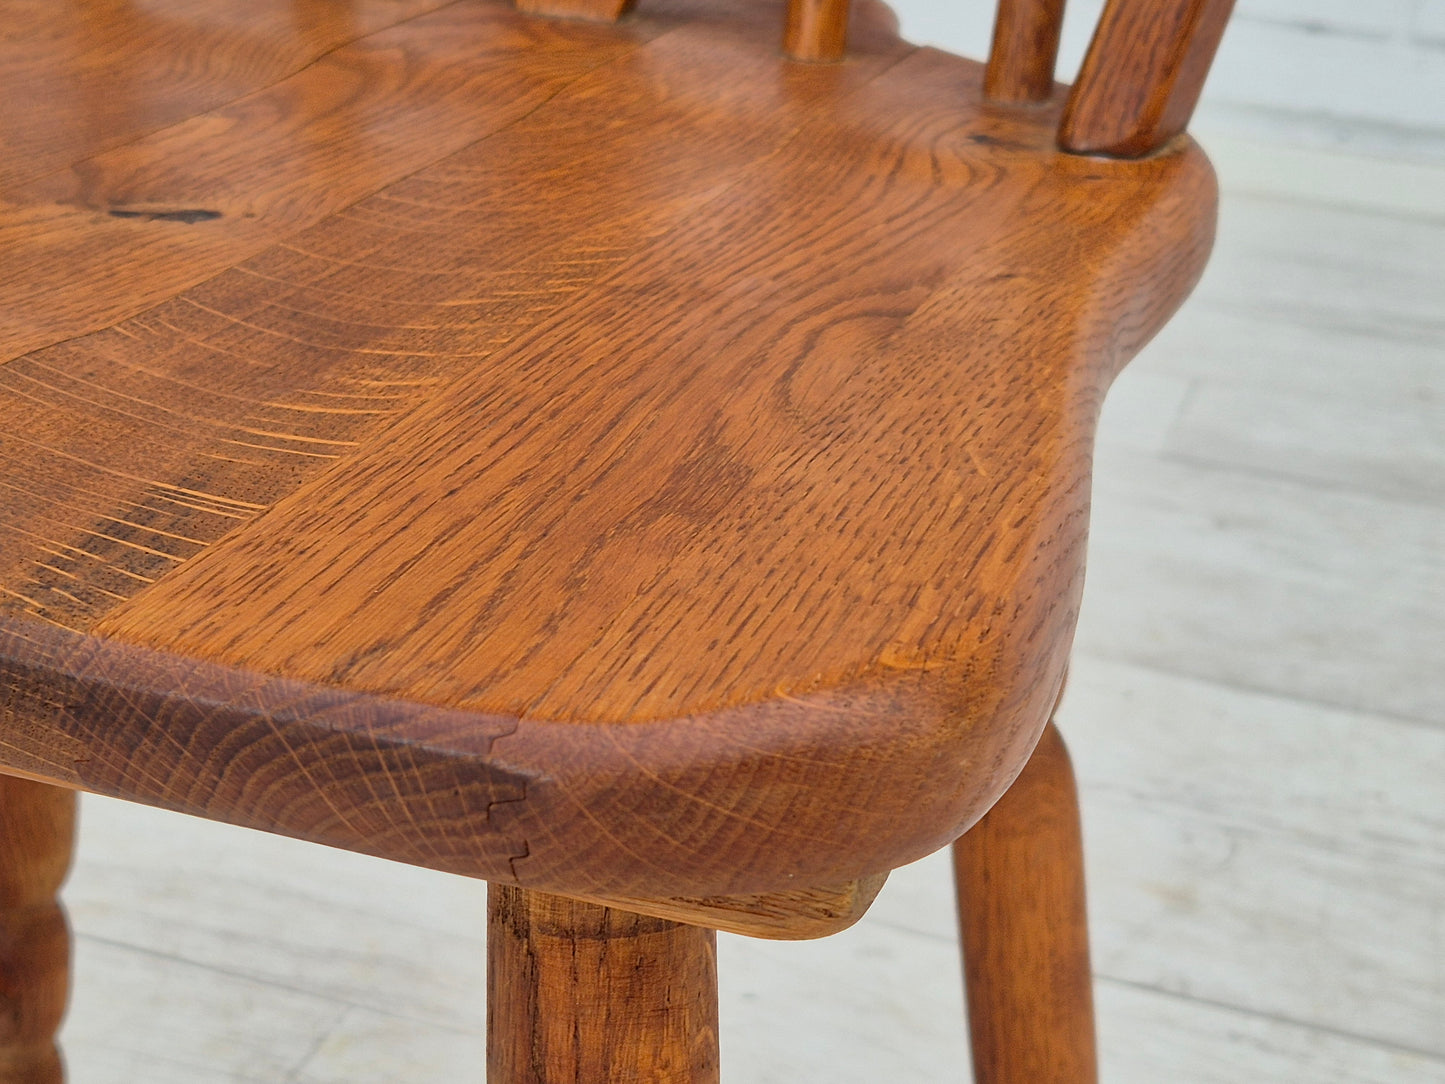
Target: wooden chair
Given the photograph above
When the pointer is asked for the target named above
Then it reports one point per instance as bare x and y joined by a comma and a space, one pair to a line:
617, 461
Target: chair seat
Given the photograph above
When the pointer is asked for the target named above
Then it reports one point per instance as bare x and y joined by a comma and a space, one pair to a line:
699, 509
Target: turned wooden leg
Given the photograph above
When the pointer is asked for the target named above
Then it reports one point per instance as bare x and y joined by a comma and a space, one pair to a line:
37, 826
582, 994
1020, 878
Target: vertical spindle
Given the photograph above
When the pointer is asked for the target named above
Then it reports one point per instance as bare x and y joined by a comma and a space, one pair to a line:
1025, 49
817, 30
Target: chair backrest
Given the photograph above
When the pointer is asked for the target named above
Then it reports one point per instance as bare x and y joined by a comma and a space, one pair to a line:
1136, 90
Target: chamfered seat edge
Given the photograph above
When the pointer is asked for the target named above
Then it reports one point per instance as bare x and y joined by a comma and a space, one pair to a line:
838, 784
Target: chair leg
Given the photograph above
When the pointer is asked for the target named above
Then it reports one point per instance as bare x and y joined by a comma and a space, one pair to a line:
1020, 880
37, 827
583, 994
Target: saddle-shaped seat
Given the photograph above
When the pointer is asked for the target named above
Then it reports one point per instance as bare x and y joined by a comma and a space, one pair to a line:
618, 460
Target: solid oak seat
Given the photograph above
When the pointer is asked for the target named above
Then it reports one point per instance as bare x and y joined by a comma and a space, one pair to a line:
734, 459
614, 459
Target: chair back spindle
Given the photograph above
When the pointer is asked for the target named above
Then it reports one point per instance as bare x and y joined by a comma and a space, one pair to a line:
1025, 48
1136, 90
1142, 75
816, 30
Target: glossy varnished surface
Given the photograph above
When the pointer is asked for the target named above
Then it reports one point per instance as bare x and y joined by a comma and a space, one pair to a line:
729, 470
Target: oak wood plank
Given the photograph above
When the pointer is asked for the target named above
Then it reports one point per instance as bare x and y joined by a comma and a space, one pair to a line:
697, 511
78, 79
128, 451
667, 490
188, 200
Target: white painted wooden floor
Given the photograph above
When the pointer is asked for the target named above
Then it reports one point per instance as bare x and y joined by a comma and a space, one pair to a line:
1257, 713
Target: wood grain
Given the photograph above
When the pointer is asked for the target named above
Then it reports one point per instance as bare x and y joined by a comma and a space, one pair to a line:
1341, 858
1024, 50
1020, 878
1255, 846
558, 806
695, 511
37, 829
662, 493
1142, 75
171, 429
405, 781
578, 993
600, 10
191, 198
816, 30
82, 78
799, 914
